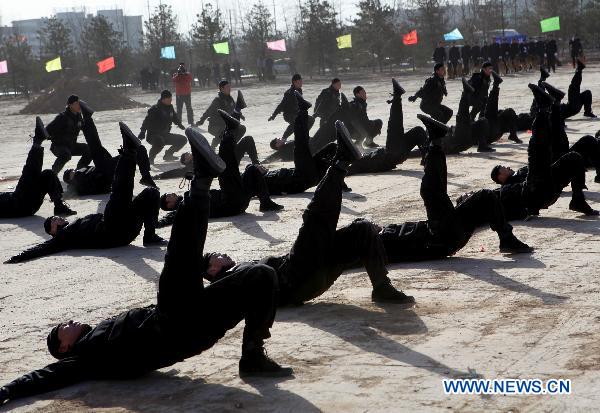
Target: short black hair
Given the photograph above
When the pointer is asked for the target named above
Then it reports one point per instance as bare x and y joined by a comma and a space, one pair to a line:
48, 225
54, 343
273, 144
357, 90
165, 94
335, 80
486, 64
296, 77
163, 203
437, 66
67, 176
495, 172
223, 83
72, 99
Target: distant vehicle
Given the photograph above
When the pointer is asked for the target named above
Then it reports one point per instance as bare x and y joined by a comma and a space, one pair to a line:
498, 34
282, 66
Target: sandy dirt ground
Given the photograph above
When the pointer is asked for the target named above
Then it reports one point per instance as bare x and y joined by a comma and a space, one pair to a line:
478, 313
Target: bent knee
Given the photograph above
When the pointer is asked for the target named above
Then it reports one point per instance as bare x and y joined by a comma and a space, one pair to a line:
263, 274
150, 193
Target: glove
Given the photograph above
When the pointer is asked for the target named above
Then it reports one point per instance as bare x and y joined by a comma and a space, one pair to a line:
412, 99
200, 122
142, 135
3, 395
242, 117
180, 126
272, 117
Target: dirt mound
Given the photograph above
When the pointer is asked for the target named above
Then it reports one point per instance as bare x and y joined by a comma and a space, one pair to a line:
97, 94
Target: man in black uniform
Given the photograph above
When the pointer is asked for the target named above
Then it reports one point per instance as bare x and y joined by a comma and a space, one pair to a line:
540, 184
398, 144
551, 53
576, 49
246, 145
453, 59
158, 126
121, 221
225, 102
320, 254
540, 49
495, 56
187, 319
34, 184
361, 128
577, 98
439, 54
500, 121
328, 101
236, 190
481, 83
466, 132
432, 93
465, 55
63, 131
485, 52
505, 55
475, 57
97, 179
448, 228
289, 107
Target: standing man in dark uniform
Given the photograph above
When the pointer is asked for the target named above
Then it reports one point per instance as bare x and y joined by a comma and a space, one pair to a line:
485, 52
225, 102
576, 49
505, 53
157, 125
453, 59
183, 92
361, 127
289, 107
551, 54
495, 56
63, 131
186, 320
328, 101
432, 93
465, 54
481, 83
121, 221
514, 56
439, 53
34, 184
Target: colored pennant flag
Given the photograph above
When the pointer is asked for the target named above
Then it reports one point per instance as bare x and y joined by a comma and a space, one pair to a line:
278, 45
3, 67
344, 42
221, 48
167, 52
410, 38
106, 65
550, 25
453, 35
53, 65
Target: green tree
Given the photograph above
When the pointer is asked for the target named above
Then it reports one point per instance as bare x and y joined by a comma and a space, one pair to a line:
208, 29
55, 39
15, 49
374, 30
260, 29
427, 16
160, 31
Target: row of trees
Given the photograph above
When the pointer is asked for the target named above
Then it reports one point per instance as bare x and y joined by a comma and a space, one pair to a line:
376, 30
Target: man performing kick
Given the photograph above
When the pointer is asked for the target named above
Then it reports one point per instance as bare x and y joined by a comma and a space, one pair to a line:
289, 107
97, 179
187, 320
448, 228
432, 94
398, 144
540, 184
34, 184
158, 126
481, 83
236, 190
320, 254
121, 221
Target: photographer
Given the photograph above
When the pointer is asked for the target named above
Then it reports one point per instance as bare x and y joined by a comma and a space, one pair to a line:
183, 92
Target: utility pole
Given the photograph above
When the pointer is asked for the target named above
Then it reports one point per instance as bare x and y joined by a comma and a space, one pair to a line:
502, 16
274, 17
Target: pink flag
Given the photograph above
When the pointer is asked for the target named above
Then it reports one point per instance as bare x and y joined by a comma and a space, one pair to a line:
3, 67
277, 45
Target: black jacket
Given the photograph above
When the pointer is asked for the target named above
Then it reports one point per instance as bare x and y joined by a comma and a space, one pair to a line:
158, 120
439, 55
481, 84
328, 103
65, 128
360, 125
215, 122
465, 53
454, 54
90, 181
288, 105
433, 91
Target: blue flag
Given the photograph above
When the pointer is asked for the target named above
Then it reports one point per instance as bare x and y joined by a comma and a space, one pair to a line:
167, 52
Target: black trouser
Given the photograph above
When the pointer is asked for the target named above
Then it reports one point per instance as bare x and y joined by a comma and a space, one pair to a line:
217, 132
160, 141
124, 216
551, 62
246, 145
466, 133
500, 121
397, 146
320, 253
64, 153
453, 68
31, 189
248, 292
524, 121
589, 148
439, 112
578, 99
103, 160
290, 128
180, 100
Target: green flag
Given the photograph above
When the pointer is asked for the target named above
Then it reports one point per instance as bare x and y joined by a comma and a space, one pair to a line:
550, 25
221, 48
344, 42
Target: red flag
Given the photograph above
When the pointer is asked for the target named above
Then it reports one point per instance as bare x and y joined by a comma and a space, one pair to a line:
106, 65
410, 38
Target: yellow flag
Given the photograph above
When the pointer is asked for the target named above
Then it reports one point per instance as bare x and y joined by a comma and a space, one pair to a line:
53, 65
344, 42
